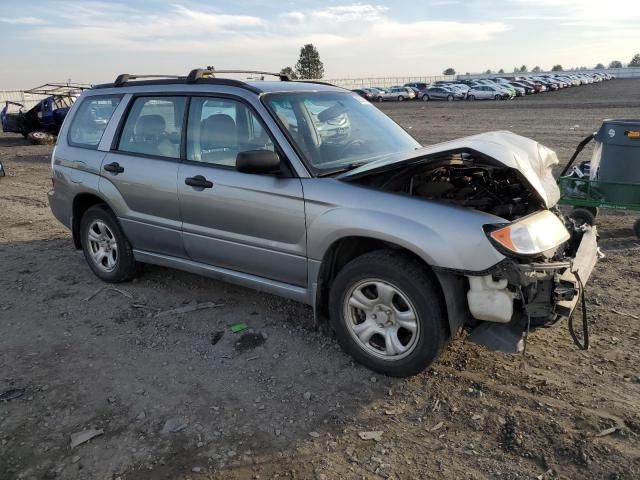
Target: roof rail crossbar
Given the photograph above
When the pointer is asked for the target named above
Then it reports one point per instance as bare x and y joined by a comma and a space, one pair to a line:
198, 73
125, 77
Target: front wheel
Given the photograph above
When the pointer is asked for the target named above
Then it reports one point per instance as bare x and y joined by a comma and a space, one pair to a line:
380, 99
497, 97
471, 98
425, 98
400, 98
387, 313
105, 246
450, 98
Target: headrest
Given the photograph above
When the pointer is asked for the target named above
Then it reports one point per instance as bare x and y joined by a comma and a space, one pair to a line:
218, 130
150, 125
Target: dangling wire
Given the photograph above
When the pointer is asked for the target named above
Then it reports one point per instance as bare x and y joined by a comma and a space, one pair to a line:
584, 345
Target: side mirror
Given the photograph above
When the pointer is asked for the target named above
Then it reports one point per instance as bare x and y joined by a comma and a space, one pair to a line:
257, 161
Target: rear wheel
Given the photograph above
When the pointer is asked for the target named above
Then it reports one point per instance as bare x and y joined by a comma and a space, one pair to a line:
105, 246
450, 98
380, 99
471, 97
387, 313
582, 216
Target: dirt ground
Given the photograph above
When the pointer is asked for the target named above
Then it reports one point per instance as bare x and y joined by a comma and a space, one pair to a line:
180, 396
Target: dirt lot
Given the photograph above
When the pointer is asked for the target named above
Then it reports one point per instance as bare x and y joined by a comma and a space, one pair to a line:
181, 396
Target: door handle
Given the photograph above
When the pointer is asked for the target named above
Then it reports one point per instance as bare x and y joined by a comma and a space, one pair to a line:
198, 181
114, 168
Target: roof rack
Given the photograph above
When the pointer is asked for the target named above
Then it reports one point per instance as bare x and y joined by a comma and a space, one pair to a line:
125, 77
198, 73
208, 73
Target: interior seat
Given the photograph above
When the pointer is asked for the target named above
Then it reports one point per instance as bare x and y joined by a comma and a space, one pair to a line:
219, 139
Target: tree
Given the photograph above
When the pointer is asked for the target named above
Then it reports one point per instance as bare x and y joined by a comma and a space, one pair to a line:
449, 71
309, 65
501, 70
599, 66
488, 72
615, 64
536, 69
290, 72
635, 61
556, 68
523, 68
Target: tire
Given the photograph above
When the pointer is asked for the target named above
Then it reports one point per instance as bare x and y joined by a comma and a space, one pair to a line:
636, 228
450, 98
380, 99
41, 138
410, 290
582, 216
400, 98
471, 98
117, 264
425, 98
497, 97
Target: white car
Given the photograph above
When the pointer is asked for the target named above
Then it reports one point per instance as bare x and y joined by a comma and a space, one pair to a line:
397, 93
486, 92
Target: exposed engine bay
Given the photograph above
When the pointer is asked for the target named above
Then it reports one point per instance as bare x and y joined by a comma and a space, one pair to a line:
465, 180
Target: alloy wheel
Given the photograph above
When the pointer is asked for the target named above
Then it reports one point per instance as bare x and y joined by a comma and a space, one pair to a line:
381, 319
103, 246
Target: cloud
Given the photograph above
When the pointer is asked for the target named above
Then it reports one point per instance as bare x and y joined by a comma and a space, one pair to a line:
294, 16
356, 11
352, 38
24, 21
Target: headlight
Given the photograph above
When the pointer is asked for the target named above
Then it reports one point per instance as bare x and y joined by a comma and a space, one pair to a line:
532, 235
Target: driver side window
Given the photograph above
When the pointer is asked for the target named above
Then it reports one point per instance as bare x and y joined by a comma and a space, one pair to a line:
220, 128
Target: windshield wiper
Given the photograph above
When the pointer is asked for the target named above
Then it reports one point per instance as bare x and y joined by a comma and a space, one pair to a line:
344, 168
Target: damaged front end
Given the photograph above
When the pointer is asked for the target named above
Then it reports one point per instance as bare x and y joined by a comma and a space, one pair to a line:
547, 258
521, 293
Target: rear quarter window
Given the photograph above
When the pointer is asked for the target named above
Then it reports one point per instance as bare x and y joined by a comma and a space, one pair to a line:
91, 119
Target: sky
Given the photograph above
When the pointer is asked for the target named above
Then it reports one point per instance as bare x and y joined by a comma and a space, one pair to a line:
94, 41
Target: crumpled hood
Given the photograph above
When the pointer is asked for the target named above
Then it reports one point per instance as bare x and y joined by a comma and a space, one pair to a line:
532, 159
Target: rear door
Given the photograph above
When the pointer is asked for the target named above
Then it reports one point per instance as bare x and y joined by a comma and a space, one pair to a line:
139, 173
248, 223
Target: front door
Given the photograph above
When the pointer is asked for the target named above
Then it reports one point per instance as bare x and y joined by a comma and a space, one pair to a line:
244, 222
139, 175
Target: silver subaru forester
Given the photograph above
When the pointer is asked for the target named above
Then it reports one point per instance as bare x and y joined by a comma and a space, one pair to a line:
307, 191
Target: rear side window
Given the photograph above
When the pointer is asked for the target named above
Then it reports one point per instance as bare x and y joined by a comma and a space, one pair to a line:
154, 127
91, 120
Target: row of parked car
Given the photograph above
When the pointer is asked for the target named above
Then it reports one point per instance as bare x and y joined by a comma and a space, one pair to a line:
496, 88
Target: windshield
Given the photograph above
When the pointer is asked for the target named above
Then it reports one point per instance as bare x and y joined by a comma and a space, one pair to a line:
337, 131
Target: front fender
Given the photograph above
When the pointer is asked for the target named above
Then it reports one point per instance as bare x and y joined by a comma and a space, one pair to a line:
442, 236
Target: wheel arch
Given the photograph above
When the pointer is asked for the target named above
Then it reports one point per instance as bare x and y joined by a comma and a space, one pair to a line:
451, 287
81, 203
